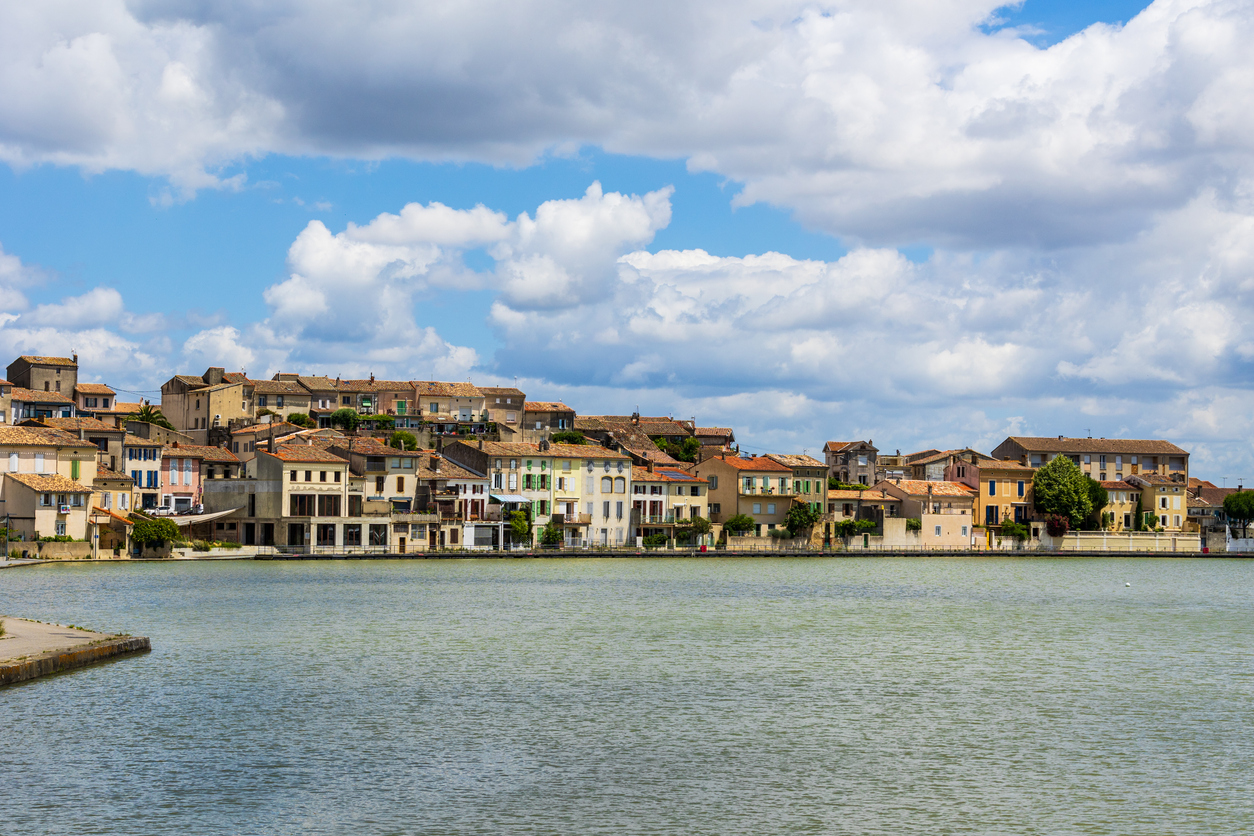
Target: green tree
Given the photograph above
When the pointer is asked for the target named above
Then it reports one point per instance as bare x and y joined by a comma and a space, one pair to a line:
551, 535
692, 527
520, 526
740, 524
568, 437
300, 419
800, 517
834, 484
1137, 516
1099, 497
346, 419
1239, 507
150, 414
850, 528
153, 532
402, 440
1060, 489
914, 524
655, 540
1013, 530
685, 451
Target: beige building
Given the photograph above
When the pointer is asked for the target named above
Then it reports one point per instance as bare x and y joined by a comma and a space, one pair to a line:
1003, 488
543, 418
106, 437
1121, 504
663, 498
1165, 497
756, 486
46, 479
809, 479
217, 400
6, 400
94, 399
1103, 459
504, 406
45, 374
852, 462
282, 398
945, 511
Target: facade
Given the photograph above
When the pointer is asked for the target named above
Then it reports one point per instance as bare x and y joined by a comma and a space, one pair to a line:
1121, 504
504, 407
1003, 489
756, 486
543, 418
851, 462
1103, 459
141, 460
945, 510
281, 397
6, 401
107, 438
93, 398
869, 504
46, 479
57, 375
809, 479
663, 498
217, 400
26, 404
440, 401
1164, 497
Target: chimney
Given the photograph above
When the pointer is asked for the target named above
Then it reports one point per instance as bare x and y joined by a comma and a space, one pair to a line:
372, 377
435, 463
650, 465
75, 356
439, 443
480, 442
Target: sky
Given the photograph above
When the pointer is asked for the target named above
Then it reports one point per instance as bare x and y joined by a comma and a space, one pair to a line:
928, 224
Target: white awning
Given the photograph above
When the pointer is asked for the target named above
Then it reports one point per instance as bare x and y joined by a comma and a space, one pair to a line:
509, 497
182, 520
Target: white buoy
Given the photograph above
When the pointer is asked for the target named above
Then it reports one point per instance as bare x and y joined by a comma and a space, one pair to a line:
1127, 584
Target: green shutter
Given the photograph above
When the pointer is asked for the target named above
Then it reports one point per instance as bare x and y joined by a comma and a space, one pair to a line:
74, 469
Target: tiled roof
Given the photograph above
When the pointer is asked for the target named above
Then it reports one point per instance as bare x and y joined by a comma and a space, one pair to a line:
35, 396
200, 451
138, 441
791, 460
96, 509
1195, 483
1215, 496
447, 389
103, 472
191, 380
759, 463
317, 384
918, 487
278, 387
374, 385
367, 446
93, 389
518, 449
713, 431
1118, 485
124, 408
1003, 464
448, 469
1035, 444
836, 446
1157, 479
500, 390
48, 361
4, 382
75, 424
546, 406
935, 457
235, 377
41, 436
865, 496
280, 428
912, 457
301, 452
663, 474
53, 483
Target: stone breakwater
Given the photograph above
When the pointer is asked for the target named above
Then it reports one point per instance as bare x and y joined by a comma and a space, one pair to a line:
31, 649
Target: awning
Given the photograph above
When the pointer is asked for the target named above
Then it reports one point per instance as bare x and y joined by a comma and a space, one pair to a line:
182, 520
509, 497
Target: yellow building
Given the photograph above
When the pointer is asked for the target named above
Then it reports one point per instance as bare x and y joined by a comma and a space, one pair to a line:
1164, 497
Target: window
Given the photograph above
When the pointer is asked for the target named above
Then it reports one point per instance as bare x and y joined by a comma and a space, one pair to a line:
301, 505
938, 529
620, 484
337, 476
352, 534
329, 505
1022, 486
992, 487
278, 401
1101, 462
605, 509
1176, 522
326, 534
513, 481
261, 401
1088, 459
13, 460
60, 523
1163, 520
379, 485
607, 484
716, 507
862, 461
964, 531
45, 500
104, 403
293, 475
1162, 502
770, 507
544, 482
308, 475
513, 464
497, 481
122, 501
400, 484
511, 417
757, 507
39, 462
378, 535
322, 475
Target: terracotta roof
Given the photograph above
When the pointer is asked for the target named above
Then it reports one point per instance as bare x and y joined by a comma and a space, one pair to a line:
124, 408
836, 446
199, 451
1119, 485
546, 406
919, 487
4, 382
48, 361
911, 457
191, 380
518, 449
759, 463
1213, 495
96, 509
300, 452
87, 424
1157, 479
791, 460
713, 431
366, 446
235, 377
500, 390
139, 441
935, 457
1003, 464
447, 389
280, 428
663, 474
448, 469
35, 396
103, 472
316, 384
1195, 483
93, 389
1035, 444
865, 496
40, 436
279, 387
374, 385
54, 483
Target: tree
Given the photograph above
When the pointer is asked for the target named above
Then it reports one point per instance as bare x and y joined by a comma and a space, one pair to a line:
551, 535
1013, 530
568, 437
800, 517
150, 414
153, 532
1061, 489
520, 526
740, 524
1057, 525
850, 528
402, 440
694, 526
1098, 496
346, 418
1239, 507
834, 484
685, 451
1137, 516
300, 419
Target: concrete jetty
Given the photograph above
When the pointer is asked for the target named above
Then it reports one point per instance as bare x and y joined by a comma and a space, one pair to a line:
30, 649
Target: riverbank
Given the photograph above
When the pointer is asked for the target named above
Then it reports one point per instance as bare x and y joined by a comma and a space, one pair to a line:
30, 649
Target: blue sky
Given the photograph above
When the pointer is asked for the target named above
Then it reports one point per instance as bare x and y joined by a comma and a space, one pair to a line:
986, 220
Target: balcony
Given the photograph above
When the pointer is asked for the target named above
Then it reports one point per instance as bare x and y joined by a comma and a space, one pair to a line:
572, 519
757, 491
416, 517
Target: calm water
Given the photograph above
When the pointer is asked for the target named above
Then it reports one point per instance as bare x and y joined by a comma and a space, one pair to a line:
872, 696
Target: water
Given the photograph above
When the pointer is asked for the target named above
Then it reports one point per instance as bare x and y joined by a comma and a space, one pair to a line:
859, 696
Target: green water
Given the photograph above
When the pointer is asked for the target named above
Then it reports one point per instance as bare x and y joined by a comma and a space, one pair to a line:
876, 696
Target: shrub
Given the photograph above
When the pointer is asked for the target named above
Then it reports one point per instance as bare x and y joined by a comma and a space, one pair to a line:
835, 484
402, 440
655, 540
551, 535
849, 528
1058, 525
346, 418
153, 532
800, 517
300, 419
568, 437
201, 545
739, 524
914, 524
1014, 530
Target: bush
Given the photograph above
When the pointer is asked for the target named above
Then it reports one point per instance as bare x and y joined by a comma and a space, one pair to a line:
201, 545
345, 418
850, 528
153, 532
913, 524
1058, 525
800, 517
300, 419
1014, 530
655, 540
551, 535
834, 484
568, 437
402, 440
740, 524
58, 538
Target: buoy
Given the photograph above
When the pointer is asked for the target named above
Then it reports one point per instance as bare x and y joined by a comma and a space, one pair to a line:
1127, 584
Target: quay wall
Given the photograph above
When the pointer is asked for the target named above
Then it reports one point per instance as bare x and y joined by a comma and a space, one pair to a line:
58, 661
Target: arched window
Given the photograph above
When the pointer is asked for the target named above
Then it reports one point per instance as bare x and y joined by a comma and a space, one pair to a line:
620, 484
607, 484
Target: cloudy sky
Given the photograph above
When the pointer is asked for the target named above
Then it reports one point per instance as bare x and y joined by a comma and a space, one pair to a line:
924, 222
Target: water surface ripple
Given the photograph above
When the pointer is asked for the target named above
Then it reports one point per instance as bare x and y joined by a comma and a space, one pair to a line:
875, 696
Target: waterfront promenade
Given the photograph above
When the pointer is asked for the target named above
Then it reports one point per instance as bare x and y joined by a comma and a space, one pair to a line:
30, 649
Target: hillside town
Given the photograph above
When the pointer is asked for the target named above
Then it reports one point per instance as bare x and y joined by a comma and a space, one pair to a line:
308, 464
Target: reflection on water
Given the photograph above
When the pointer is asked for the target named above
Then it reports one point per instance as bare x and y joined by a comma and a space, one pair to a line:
641, 696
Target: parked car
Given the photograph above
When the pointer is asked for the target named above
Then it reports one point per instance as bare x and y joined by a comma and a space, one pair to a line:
162, 511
